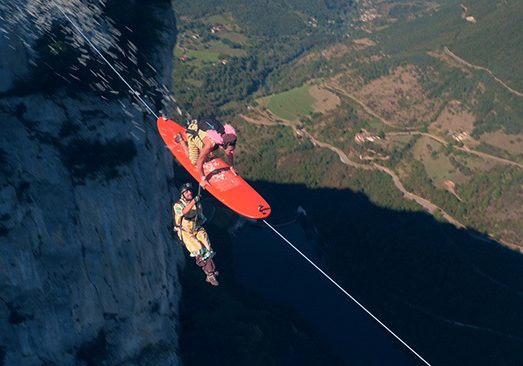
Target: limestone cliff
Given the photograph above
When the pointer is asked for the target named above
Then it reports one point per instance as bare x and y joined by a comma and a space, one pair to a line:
88, 266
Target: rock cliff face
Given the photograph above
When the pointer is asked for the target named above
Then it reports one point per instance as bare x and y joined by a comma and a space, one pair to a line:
13, 63
88, 267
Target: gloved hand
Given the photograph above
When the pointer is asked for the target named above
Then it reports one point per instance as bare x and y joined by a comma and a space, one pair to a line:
196, 199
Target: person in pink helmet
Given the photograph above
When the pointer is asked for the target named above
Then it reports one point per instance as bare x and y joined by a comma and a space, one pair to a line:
205, 136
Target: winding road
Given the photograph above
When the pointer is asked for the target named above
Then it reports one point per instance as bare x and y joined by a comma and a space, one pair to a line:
465, 148
409, 130
423, 202
426, 204
476, 67
271, 120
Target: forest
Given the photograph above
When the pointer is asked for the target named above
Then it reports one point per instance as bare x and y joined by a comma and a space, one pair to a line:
318, 46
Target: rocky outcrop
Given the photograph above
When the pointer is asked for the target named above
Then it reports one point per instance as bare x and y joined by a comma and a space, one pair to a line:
88, 266
13, 63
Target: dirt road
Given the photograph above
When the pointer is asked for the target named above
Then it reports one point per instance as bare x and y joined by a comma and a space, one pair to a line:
465, 149
476, 67
426, 204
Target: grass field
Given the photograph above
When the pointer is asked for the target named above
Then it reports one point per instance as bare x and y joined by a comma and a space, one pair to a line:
219, 19
234, 36
511, 143
195, 82
324, 100
221, 48
214, 52
437, 165
203, 56
293, 104
453, 119
399, 140
376, 125
476, 163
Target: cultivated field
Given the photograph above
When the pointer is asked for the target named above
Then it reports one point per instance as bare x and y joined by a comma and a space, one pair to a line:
293, 104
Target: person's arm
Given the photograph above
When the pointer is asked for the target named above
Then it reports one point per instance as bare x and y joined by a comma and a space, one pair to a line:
189, 206
230, 159
175, 210
178, 213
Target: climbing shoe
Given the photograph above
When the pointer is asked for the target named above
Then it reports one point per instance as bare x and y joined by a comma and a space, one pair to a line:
211, 278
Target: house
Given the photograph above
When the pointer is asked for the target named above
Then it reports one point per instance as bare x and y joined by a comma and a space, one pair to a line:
460, 136
363, 136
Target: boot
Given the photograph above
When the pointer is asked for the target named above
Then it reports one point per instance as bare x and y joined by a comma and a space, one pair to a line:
211, 278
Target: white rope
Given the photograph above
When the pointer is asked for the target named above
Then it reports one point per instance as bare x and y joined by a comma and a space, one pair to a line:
133, 91
346, 293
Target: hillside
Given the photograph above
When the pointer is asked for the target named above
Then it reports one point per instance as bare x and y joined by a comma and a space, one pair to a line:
484, 32
272, 18
425, 92
226, 51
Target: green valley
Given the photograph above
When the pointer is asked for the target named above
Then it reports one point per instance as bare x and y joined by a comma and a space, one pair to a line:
423, 96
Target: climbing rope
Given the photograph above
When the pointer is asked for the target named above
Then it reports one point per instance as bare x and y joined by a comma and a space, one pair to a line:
137, 95
344, 291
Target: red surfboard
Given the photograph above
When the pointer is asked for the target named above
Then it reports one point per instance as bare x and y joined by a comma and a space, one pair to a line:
230, 189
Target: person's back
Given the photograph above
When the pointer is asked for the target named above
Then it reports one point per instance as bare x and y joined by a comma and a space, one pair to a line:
196, 136
205, 136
